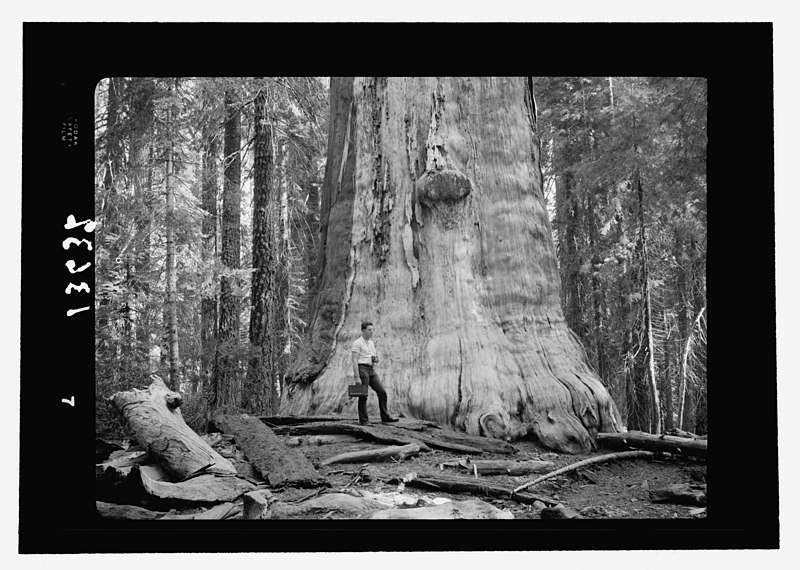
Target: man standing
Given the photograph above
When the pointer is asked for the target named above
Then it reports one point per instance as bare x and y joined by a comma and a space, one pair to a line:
364, 358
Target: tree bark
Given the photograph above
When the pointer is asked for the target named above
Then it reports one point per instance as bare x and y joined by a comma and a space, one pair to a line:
227, 384
640, 440
155, 418
201, 489
265, 451
435, 229
258, 397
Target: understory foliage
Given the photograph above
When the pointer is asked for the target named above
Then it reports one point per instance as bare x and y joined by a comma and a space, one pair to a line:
624, 161
136, 121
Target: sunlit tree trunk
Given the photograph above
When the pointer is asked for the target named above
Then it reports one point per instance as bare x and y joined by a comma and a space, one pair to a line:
257, 396
227, 383
434, 228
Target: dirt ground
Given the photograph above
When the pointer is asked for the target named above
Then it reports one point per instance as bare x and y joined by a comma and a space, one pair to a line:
612, 490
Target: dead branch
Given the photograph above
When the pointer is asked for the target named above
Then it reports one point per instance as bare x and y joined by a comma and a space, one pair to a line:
585, 462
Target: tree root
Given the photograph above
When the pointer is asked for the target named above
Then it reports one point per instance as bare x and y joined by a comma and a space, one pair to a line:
579, 464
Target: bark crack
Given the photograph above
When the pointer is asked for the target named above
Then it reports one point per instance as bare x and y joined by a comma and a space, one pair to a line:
460, 376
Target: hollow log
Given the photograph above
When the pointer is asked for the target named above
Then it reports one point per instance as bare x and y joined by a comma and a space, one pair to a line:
262, 504
370, 455
650, 442
200, 489
154, 416
469, 509
277, 463
457, 485
115, 511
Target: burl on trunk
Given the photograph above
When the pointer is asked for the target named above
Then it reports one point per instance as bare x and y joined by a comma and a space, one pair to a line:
434, 227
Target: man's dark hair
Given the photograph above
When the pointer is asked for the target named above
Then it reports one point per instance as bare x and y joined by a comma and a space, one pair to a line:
365, 324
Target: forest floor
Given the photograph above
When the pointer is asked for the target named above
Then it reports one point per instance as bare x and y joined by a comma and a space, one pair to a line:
615, 489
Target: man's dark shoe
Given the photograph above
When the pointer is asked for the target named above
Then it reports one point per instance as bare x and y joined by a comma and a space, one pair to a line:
362, 422
389, 420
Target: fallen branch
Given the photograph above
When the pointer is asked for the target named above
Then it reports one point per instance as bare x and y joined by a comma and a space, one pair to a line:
590, 461
395, 452
469, 509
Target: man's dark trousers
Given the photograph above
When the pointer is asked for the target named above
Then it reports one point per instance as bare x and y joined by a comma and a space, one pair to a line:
370, 378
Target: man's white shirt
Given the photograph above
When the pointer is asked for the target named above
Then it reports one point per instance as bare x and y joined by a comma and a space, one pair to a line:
365, 350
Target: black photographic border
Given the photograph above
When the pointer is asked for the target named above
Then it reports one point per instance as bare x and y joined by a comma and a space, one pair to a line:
62, 63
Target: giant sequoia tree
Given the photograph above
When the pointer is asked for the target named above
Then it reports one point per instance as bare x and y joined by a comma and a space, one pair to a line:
434, 228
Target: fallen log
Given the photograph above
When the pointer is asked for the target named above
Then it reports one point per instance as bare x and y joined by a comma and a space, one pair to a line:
500, 467
469, 509
372, 433
459, 485
154, 416
272, 421
371, 455
131, 512
200, 489
590, 461
681, 433
217, 512
680, 494
650, 442
266, 452
262, 504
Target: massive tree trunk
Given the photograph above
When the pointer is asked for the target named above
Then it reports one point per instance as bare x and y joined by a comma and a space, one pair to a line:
434, 228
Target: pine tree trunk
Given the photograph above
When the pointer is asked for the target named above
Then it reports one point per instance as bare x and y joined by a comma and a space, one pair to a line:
171, 269
435, 229
208, 309
258, 389
227, 384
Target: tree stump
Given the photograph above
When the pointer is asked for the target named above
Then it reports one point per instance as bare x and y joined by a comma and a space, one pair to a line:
155, 418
